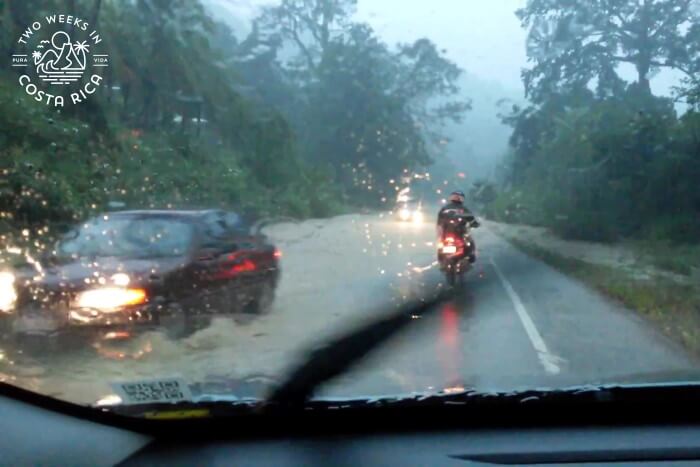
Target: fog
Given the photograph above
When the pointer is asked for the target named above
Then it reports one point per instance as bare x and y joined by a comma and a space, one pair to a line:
484, 38
308, 128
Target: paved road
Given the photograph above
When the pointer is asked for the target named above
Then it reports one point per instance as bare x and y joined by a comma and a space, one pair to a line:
516, 323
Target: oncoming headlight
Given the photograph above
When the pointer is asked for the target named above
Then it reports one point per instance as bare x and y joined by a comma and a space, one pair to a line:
8, 293
405, 214
417, 217
110, 298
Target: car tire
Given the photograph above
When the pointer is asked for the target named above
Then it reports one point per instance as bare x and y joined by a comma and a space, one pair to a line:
262, 304
181, 323
224, 301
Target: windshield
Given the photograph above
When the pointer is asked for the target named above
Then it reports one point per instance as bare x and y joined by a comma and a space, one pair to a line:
127, 238
196, 194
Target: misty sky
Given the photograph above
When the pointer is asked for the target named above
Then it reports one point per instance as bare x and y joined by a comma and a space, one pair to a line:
483, 37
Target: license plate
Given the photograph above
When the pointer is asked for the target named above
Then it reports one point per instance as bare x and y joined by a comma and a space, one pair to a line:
151, 391
449, 250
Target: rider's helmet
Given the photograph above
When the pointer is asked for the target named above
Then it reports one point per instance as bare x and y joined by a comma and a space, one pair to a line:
457, 197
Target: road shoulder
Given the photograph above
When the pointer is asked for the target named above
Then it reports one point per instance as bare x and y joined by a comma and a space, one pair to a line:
671, 302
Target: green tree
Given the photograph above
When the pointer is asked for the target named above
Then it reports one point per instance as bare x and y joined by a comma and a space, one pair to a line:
367, 110
170, 126
311, 26
574, 43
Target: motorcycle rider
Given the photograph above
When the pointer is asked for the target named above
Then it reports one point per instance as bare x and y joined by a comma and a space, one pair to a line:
456, 205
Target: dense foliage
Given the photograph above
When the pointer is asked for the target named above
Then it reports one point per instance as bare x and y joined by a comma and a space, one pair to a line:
310, 113
364, 109
596, 156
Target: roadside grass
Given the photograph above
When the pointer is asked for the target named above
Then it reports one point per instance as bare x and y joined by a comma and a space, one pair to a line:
673, 307
678, 259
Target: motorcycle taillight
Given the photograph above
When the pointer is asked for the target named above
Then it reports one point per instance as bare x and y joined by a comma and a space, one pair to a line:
453, 245
452, 240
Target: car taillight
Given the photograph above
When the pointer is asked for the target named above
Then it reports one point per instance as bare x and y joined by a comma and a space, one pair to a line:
277, 254
245, 266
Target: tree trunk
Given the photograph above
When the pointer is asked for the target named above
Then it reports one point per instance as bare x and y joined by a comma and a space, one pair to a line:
643, 77
126, 93
20, 18
71, 12
645, 49
95, 14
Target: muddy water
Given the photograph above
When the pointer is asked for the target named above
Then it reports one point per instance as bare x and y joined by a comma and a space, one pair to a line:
335, 273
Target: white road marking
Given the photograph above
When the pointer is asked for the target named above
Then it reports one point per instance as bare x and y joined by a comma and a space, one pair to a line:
547, 359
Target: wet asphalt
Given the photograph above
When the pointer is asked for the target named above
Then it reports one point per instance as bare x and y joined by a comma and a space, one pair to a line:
514, 323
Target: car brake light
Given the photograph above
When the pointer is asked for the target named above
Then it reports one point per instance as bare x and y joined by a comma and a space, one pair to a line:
277, 254
246, 266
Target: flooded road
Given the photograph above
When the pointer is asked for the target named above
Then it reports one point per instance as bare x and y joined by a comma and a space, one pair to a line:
515, 323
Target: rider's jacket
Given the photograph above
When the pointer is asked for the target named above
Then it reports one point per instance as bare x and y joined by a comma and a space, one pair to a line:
450, 208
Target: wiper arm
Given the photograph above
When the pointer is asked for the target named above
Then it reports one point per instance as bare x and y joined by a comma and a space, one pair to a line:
340, 354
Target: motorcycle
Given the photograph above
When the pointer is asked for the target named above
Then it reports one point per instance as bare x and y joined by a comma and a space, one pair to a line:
454, 247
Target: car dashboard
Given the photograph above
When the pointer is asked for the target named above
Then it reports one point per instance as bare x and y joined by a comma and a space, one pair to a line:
34, 435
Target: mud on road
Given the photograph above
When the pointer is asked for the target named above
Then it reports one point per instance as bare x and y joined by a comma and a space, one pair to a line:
335, 273
516, 323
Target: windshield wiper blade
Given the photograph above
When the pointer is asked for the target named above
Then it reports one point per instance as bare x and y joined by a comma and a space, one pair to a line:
341, 354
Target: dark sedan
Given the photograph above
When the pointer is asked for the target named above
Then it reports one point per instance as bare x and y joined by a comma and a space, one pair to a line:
130, 268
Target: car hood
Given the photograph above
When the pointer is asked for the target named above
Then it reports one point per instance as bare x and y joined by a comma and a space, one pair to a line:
258, 386
374, 384
239, 398
73, 274
672, 376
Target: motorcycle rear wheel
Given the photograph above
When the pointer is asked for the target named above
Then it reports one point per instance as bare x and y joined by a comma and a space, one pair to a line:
451, 277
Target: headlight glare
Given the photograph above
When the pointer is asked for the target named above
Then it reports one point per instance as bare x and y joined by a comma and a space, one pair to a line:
8, 293
110, 298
